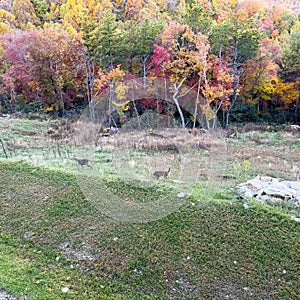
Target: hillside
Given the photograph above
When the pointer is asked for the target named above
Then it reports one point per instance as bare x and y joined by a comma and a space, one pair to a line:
56, 242
293, 5
52, 239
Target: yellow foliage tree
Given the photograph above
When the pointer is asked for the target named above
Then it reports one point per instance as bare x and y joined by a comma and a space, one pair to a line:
286, 93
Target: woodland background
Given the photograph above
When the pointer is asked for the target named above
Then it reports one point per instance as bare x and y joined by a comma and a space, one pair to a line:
241, 58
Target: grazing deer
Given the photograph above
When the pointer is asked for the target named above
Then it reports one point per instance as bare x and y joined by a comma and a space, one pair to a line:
82, 162
165, 174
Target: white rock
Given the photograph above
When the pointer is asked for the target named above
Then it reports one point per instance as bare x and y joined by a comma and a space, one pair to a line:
249, 194
28, 234
65, 289
182, 195
270, 190
295, 219
246, 206
293, 127
266, 178
274, 191
263, 198
296, 195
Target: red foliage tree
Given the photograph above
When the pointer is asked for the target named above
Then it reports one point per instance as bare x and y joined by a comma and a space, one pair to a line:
42, 65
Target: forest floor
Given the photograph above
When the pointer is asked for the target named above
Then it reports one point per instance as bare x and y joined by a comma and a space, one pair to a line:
58, 242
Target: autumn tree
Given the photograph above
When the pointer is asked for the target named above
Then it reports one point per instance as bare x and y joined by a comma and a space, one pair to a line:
223, 9
42, 65
185, 59
6, 5
215, 81
73, 14
261, 82
141, 37
42, 9
24, 13
291, 64
200, 16
237, 39
283, 19
133, 9
106, 46
177, 60
7, 21
18, 70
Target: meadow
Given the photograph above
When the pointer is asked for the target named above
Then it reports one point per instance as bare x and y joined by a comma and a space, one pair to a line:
59, 242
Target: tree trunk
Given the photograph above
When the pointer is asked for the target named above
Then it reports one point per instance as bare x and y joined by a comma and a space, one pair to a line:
57, 88
12, 100
175, 99
54, 93
229, 109
237, 73
196, 103
134, 106
61, 98
227, 118
297, 110
109, 103
110, 60
144, 61
90, 83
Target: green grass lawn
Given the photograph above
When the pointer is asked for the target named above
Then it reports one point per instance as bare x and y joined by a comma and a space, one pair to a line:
57, 243
52, 238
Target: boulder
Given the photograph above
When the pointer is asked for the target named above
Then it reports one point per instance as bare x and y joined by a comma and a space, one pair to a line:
295, 185
296, 195
269, 189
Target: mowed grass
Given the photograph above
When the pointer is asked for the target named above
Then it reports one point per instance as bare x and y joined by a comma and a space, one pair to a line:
52, 238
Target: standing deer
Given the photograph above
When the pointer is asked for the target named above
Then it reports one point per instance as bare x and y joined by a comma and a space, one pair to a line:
165, 174
82, 162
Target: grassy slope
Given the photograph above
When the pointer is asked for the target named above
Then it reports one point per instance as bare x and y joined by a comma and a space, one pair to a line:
207, 251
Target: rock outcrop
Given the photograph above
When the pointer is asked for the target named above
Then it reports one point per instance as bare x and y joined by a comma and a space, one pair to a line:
270, 190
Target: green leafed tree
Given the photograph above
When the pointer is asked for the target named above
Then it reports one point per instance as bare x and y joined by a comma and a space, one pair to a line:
42, 9
200, 16
106, 40
238, 40
291, 53
141, 39
291, 61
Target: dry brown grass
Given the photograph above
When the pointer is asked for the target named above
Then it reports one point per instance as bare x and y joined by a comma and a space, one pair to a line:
173, 140
273, 154
269, 153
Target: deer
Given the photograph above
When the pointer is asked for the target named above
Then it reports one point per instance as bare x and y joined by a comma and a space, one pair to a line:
165, 174
82, 162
